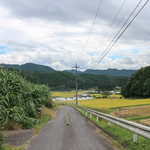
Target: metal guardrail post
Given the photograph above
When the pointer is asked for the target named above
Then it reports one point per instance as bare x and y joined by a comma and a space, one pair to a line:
134, 137
97, 118
90, 115
136, 129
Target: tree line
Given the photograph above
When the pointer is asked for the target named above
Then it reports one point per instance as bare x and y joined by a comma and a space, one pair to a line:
138, 85
66, 81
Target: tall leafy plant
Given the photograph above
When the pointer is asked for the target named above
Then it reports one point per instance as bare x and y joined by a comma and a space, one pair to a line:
19, 99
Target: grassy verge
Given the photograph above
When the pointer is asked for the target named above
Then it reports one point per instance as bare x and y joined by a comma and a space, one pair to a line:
47, 114
128, 106
138, 118
125, 136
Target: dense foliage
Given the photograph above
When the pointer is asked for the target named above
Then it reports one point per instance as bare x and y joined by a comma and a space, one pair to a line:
66, 81
112, 72
138, 85
19, 99
1, 138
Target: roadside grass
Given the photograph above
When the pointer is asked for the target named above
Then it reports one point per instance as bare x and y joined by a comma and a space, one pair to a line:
129, 106
138, 118
124, 136
47, 114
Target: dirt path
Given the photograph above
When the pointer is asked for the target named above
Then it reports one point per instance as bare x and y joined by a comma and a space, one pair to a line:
18, 137
79, 135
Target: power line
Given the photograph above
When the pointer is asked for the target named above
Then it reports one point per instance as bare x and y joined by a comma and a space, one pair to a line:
119, 31
92, 24
114, 41
113, 22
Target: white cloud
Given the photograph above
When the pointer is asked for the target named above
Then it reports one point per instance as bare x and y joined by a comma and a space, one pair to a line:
49, 37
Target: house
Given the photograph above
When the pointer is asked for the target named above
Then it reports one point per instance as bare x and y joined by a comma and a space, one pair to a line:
84, 95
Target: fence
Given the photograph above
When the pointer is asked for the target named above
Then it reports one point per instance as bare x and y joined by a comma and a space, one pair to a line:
136, 128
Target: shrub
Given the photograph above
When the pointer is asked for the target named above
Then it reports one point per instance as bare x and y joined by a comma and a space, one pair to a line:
20, 98
1, 138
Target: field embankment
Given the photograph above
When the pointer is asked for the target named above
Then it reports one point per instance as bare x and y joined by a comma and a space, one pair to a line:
139, 114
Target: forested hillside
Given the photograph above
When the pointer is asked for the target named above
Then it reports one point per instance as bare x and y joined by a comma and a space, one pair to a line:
112, 72
36, 67
29, 66
61, 80
66, 81
138, 85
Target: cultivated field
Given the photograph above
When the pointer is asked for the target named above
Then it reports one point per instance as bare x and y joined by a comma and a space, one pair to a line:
140, 114
132, 112
110, 103
66, 94
131, 109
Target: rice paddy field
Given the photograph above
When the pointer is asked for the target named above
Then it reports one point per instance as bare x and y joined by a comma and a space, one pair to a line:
66, 94
110, 103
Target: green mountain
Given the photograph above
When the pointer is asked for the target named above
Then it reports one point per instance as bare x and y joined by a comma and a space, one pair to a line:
73, 71
61, 80
58, 80
36, 67
30, 66
138, 85
112, 72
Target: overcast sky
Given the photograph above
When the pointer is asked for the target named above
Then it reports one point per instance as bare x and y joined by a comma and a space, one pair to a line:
54, 32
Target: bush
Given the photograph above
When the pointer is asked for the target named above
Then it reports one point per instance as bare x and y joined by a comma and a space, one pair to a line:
1, 139
20, 98
104, 96
48, 104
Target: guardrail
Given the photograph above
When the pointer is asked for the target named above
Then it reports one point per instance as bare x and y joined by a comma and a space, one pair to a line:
136, 128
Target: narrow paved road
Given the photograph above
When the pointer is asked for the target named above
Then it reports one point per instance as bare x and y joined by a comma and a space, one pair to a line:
79, 135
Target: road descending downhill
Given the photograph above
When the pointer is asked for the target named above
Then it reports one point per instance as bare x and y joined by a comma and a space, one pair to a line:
80, 134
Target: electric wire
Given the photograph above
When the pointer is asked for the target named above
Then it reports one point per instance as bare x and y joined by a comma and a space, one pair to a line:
121, 33
99, 6
106, 33
120, 29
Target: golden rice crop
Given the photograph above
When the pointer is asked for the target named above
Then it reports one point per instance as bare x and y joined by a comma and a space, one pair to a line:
67, 93
109, 103
112, 101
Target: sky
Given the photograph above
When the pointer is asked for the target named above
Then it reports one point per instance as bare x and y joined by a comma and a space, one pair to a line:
54, 33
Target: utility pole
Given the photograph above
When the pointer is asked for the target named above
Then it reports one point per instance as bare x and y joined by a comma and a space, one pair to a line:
76, 68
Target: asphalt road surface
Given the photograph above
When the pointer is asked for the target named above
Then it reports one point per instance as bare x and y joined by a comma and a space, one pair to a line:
79, 135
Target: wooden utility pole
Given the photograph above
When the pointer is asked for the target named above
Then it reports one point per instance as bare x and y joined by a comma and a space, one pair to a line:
76, 68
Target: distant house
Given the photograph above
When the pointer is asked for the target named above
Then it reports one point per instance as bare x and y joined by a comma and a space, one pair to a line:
113, 92
92, 92
84, 95
118, 87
